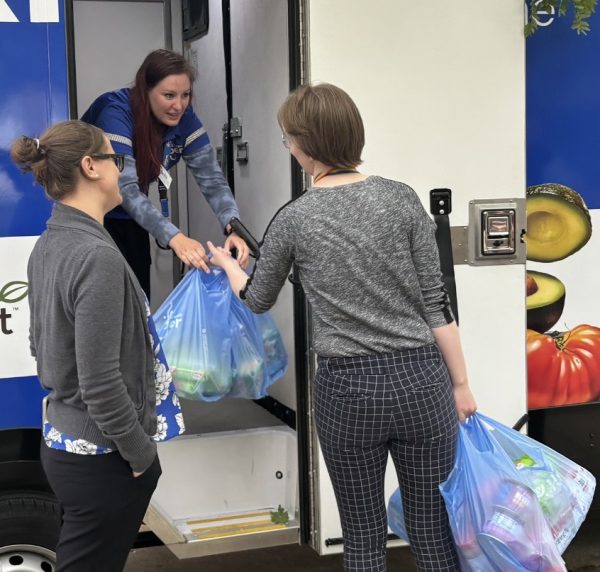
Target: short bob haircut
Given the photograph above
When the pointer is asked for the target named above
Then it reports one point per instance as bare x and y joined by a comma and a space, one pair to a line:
324, 122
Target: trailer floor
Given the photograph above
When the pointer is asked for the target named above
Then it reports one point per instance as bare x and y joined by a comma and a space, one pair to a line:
582, 556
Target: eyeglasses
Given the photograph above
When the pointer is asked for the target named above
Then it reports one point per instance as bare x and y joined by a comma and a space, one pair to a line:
118, 159
285, 140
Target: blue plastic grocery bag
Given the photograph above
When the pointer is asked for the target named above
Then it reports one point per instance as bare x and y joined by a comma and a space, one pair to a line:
496, 519
276, 356
565, 490
395, 515
259, 358
193, 325
250, 378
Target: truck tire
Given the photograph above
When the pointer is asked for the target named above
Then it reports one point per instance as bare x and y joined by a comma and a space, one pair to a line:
29, 528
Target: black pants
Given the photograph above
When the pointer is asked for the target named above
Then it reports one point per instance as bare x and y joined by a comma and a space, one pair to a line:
103, 506
401, 404
134, 243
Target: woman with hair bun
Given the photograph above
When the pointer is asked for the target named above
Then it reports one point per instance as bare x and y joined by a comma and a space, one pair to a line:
96, 351
153, 125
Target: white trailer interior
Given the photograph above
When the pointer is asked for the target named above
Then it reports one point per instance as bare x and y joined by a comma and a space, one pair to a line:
440, 86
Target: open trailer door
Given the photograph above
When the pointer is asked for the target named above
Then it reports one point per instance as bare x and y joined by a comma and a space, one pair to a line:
231, 482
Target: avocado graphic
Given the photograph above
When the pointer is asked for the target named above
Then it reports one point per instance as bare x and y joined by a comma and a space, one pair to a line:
545, 300
558, 222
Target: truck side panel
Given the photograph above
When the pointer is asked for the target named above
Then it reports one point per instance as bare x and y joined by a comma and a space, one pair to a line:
33, 95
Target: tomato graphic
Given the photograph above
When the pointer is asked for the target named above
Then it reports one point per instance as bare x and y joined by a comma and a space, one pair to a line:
563, 368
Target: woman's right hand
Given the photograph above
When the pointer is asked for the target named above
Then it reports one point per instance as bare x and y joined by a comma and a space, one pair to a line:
189, 251
464, 400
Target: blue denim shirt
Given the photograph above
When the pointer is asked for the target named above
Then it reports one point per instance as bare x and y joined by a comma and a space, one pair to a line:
112, 113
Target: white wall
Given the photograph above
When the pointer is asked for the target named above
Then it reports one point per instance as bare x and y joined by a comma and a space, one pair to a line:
107, 61
441, 88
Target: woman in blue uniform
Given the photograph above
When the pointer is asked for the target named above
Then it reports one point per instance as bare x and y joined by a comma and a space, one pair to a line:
154, 126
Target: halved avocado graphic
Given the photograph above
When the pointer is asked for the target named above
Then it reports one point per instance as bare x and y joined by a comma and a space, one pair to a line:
558, 222
545, 300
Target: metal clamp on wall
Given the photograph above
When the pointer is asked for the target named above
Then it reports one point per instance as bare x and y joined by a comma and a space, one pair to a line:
497, 232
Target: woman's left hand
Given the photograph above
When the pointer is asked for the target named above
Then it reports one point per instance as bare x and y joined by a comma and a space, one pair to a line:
243, 252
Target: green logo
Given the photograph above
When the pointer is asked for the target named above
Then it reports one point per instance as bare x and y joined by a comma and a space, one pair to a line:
13, 292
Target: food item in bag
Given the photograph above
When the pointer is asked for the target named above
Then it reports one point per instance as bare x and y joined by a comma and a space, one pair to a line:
275, 353
194, 384
470, 551
555, 498
248, 378
578, 480
556, 502
507, 534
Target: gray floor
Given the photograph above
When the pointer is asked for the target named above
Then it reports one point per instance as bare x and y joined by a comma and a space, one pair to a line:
582, 556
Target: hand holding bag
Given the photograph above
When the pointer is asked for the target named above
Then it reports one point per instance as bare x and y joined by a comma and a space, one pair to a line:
497, 520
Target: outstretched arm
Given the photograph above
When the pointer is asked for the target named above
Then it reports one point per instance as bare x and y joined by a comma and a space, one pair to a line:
205, 169
221, 257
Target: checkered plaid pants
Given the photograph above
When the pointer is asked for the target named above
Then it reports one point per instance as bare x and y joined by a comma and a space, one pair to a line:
401, 403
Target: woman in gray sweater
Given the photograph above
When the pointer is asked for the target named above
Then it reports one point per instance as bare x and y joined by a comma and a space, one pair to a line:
92, 343
391, 377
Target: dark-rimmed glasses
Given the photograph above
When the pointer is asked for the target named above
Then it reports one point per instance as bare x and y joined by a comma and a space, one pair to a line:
118, 158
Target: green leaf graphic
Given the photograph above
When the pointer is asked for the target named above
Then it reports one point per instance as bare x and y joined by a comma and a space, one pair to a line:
13, 292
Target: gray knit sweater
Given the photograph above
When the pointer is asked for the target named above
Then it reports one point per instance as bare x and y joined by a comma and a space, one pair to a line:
90, 338
368, 263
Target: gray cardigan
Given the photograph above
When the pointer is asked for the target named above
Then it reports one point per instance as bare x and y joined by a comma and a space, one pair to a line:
368, 262
90, 338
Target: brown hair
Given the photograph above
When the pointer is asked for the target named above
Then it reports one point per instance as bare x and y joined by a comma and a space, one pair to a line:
147, 131
325, 123
55, 157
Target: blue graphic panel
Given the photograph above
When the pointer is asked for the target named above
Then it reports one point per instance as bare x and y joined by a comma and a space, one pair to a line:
21, 403
563, 108
33, 95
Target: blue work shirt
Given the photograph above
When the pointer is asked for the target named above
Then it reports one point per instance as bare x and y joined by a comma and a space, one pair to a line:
189, 140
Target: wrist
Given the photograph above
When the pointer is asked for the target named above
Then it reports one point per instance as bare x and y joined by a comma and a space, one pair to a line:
229, 227
172, 244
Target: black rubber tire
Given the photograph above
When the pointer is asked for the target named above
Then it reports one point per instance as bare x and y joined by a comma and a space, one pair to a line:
29, 517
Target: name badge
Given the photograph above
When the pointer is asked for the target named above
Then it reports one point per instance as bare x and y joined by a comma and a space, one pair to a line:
165, 178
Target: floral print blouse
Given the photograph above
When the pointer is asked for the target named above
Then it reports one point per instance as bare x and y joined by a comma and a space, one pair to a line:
168, 410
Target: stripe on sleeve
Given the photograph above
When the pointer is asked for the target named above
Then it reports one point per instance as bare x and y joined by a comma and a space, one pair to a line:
195, 135
119, 139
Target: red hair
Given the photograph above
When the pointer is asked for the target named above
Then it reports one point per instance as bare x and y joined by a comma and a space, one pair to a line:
147, 131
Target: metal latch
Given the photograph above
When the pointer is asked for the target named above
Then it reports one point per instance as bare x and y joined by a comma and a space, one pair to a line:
235, 127
495, 230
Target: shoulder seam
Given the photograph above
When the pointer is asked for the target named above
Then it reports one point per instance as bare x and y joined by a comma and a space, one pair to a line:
275, 215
